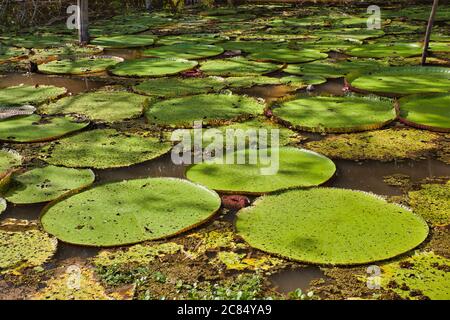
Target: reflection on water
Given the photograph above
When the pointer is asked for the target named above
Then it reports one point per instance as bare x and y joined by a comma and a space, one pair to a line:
291, 279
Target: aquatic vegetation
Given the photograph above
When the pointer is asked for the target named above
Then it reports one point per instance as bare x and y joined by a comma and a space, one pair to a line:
125, 41
209, 108
403, 80
94, 64
351, 34
107, 106
330, 226
287, 55
66, 50
204, 38
237, 67
213, 241
177, 87
154, 67
8, 160
103, 149
295, 168
34, 128
81, 285
238, 261
336, 114
25, 248
429, 111
381, 50
38, 41
133, 211
432, 202
424, 275
302, 81
7, 53
186, 51
378, 145
46, 184
21, 95
250, 81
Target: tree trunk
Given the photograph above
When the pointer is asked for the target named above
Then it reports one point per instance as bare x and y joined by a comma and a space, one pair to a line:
428, 33
83, 20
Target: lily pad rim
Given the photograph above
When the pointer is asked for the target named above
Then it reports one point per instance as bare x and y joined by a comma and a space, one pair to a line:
77, 57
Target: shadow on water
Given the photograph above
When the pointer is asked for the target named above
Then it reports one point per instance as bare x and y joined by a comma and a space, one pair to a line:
73, 85
291, 279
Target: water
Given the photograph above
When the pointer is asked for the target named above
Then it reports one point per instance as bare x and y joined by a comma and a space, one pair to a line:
291, 279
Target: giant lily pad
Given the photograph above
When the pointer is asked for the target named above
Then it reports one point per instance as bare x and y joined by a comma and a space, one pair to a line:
7, 53
382, 50
130, 212
67, 50
237, 67
208, 108
431, 111
275, 169
336, 114
125, 41
352, 34
403, 80
177, 87
187, 51
38, 41
102, 149
330, 226
103, 105
21, 95
46, 184
203, 38
152, 67
88, 65
33, 128
288, 55
8, 160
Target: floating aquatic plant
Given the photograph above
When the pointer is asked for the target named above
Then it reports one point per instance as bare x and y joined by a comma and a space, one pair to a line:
23, 94
187, 51
94, 64
237, 67
125, 41
330, 226
152, 67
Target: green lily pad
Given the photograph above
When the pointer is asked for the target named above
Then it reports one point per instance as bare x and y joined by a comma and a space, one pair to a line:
25, 249
336, 114
47, 184
295, 168
39, 41
208, 108
382, 50
440, 47
302, 81
403, 80
8, 160
21, 95
330, 226
250, 81
432, 202
352, 34
186, 51
425, 274
7, 53
378, 145
237, 67
204, 38
88, 65
103, 149
252, 46
33, 128
297, 22
177, 87
152, 67
108, 106
67, 50
125, 41
130, 212
288, 55
431, 111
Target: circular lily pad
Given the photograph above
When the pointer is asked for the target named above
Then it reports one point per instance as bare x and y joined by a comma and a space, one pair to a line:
382, 50
336, 114
21, 95
88, 65
187, 51
68, 50
152, 67
8, 160
352, 34
302, 81
177, 87
125, 41
288, 55
7, 53
39, 41
330, 226
204, 38
108, 106
291, 167
33, 128
130, 212
250, 81
209, 108
29, 248
103, 149
431, 111
47, 184
403, 80
237, 67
